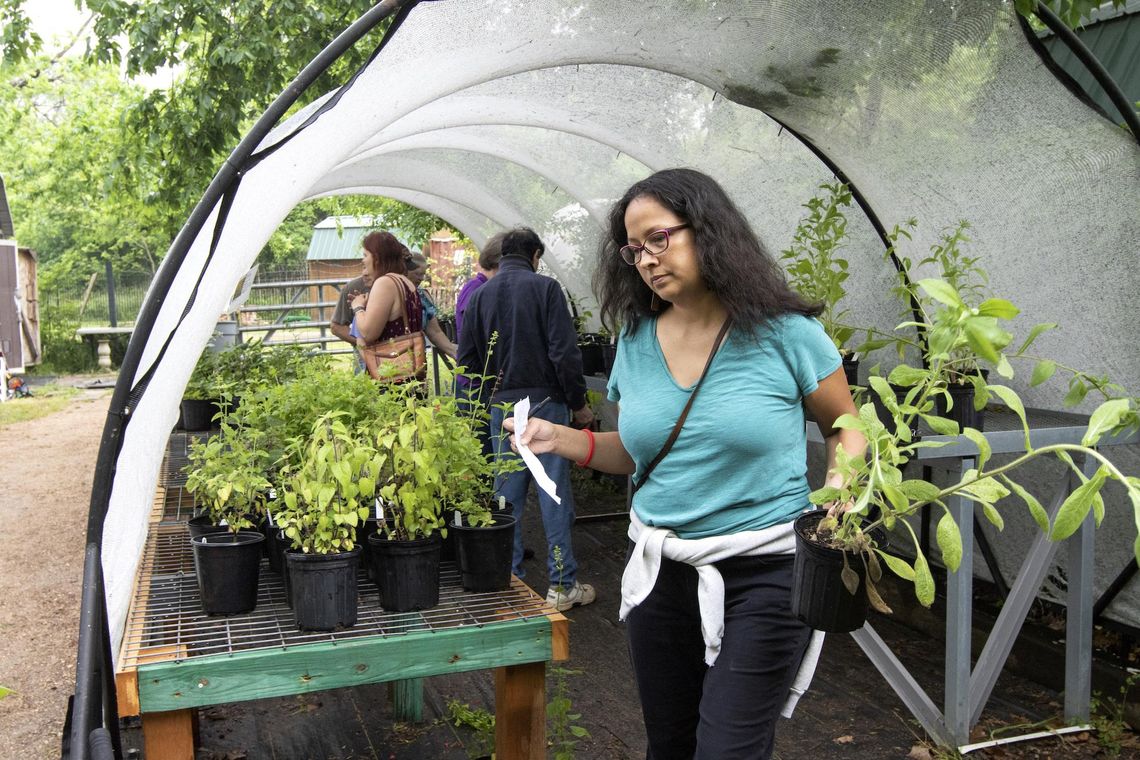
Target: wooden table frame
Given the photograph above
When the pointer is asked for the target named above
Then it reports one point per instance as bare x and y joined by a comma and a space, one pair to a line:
165, 686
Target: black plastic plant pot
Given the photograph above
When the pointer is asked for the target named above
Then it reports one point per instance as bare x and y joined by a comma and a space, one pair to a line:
592, 359
323, 589
851, 368
486, 554
198, 414
368, 528
409, 572
819, 597
203, 526
227, 566
963, 411
278, 544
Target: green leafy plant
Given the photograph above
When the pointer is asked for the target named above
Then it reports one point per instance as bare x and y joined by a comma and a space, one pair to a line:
480, 721
331, 492
564, 731
874, 484
1107, 717
815, 268
227, 475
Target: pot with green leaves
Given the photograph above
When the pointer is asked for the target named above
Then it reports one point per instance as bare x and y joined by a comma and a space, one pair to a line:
879, 496
226, 475
485, 542
322, 503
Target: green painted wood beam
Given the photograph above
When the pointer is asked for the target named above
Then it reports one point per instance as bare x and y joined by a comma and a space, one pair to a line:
220, 679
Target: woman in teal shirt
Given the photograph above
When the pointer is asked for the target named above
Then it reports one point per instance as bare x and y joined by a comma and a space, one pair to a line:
706, 590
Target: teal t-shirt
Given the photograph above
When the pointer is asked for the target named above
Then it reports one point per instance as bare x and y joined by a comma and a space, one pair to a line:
740, 462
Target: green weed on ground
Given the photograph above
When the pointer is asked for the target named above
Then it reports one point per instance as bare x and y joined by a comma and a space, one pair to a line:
48, 399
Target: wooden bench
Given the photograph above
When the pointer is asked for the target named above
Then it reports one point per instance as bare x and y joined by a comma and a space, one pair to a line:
175, 659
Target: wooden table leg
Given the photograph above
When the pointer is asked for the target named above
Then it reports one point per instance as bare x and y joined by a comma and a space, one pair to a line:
407, 697
169, 735
520, 711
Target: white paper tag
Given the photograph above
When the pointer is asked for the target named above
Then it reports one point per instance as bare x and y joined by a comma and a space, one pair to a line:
379, 510
522, 409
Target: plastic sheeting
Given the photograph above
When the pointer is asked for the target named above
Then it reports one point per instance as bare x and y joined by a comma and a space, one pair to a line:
542, 112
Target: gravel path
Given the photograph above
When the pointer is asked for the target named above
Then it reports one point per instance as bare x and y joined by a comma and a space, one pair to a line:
45, 484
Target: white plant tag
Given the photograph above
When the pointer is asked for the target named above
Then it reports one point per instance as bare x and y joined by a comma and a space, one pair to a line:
379, 510
269, 516
522, 409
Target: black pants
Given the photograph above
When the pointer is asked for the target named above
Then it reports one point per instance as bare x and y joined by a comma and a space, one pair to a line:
730, 710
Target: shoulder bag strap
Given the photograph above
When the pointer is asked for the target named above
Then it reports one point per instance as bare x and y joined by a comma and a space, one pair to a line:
685, 412
403, 301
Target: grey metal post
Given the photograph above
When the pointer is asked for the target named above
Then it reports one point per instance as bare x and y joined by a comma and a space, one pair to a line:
1079, 618
959, 618
112, 309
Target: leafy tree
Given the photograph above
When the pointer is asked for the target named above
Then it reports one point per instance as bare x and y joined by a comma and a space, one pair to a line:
61, 138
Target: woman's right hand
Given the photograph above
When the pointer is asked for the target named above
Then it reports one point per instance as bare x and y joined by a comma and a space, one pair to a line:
540, 435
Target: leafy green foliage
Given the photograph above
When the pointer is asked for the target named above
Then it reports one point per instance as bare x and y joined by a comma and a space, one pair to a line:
1071, 12
331, 493
962, 328
480, 721
227, 475
815, 269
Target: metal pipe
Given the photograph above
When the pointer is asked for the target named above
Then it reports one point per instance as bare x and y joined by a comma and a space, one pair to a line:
966, 748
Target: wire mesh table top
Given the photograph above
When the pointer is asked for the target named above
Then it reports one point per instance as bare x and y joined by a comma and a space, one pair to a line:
178, 456
166, 621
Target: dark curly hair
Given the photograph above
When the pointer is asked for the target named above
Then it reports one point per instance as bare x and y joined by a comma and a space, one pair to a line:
388, 254
732, 261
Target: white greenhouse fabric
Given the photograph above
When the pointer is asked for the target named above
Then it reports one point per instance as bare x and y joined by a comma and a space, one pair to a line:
539, 112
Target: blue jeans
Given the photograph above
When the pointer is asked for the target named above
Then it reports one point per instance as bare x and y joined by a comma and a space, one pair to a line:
556, 518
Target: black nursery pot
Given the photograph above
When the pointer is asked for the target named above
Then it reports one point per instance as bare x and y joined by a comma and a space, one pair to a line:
486, 554
819, 597
593, 361
884, 414
367, 557
227, 567
851, 368
323, 589
202, 526
198, 414
408, 571
963, 411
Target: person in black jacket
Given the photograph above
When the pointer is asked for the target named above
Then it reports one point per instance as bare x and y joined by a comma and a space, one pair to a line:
535, 354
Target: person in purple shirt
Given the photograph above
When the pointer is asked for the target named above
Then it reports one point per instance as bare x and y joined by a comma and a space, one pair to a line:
485, 267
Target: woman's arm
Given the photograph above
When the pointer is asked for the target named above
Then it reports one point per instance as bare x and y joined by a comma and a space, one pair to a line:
439, 339
827, 403
543, 437
378, 307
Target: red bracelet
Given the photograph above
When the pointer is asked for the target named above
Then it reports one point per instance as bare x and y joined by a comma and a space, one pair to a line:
590, 451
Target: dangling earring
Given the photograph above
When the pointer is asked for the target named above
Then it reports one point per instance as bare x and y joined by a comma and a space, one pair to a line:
655, 303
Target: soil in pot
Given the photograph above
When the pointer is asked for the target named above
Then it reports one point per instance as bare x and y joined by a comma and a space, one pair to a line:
408, 571
819, 597
486, 553
323, 589
227, 566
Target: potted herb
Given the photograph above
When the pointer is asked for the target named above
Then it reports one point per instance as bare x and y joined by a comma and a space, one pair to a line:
880, 496
321, 504
226, 475
200, 398
818, 272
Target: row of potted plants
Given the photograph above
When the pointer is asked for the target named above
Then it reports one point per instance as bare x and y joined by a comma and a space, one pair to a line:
337, 466
956, 339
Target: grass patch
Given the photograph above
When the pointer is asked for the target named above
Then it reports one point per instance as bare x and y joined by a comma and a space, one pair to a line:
48, 399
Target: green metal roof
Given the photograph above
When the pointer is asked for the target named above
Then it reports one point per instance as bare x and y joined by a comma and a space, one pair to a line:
332, 244
1113, 36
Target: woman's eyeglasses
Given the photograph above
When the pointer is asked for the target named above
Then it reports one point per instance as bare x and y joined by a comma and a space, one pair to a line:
655, 243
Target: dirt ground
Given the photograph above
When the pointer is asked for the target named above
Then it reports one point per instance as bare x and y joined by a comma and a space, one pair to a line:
47, 468
45, 484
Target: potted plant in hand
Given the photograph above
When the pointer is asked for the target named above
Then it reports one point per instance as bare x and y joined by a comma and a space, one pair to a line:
226, 475
321, 504
817, 271
879, 497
